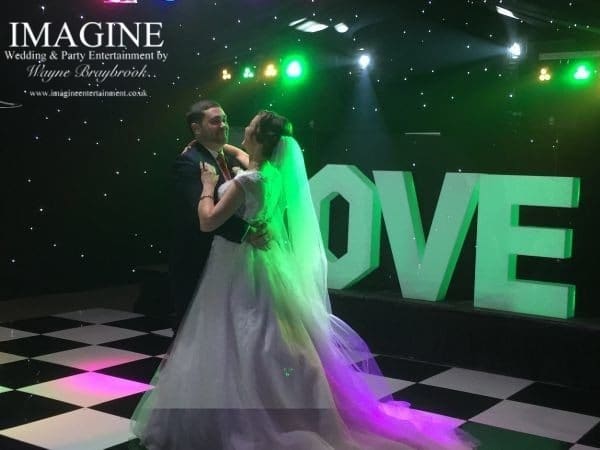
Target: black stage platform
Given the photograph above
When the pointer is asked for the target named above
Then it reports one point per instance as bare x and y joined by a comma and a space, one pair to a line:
452, 333
565, 352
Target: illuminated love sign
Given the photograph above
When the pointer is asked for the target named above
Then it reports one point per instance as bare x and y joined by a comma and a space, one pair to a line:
425, 267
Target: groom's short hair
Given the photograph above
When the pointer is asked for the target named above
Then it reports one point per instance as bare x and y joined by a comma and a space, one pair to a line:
196, 111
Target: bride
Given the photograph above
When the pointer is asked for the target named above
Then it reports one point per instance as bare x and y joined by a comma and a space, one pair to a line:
259, 362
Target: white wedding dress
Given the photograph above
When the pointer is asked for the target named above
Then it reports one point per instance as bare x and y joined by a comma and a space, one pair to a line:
256, 367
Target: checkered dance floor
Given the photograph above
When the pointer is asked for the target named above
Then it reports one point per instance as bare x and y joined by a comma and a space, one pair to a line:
71, 381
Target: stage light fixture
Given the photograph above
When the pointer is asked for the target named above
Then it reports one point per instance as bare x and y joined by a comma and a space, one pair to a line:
248, 72
515, 50
270, 71
294, 69
225, 75
341, 27
582, 72
545, 74
364, 61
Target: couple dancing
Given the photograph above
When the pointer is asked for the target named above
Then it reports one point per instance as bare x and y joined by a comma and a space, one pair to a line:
259, 362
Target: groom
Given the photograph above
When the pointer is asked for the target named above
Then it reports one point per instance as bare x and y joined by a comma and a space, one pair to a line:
190, 247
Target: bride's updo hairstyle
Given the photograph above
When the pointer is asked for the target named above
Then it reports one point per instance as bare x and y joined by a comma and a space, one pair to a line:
271, 126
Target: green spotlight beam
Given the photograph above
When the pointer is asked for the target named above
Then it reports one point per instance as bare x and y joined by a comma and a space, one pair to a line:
583, 72
294, 69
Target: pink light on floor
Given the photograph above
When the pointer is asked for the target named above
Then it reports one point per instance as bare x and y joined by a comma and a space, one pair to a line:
87, 389
104, 385
97, 363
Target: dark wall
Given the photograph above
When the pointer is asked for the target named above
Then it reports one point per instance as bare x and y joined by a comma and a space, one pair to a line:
100, 169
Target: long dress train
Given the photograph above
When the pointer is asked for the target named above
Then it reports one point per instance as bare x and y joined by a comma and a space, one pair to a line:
257, 366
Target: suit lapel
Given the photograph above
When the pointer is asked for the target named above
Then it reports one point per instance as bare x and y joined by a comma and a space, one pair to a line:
200, 153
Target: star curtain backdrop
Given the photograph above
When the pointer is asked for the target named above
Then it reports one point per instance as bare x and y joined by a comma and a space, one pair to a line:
89, 131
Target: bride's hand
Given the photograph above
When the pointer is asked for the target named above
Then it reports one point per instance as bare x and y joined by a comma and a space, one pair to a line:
208, 174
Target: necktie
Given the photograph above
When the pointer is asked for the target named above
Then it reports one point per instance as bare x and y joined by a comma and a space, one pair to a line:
223, 166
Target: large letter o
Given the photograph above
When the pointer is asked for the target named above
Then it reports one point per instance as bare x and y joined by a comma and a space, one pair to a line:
364, 227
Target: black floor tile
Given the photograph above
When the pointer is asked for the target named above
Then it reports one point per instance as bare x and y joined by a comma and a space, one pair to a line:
147, 344
142, 370
591, 438
560, 397
38, 345
492, 438
406, 369
142, 324
30, 371
18, 408
448, 402
7, 443
122, 407
44, 324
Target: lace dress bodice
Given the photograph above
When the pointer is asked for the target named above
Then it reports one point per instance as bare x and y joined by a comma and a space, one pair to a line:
262, 191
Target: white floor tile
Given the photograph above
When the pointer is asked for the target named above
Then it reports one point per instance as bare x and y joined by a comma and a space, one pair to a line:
86, 389
6, 358
583, 447
8, 334
95, 334
92, 357
98, 315
476, 382
76, 430
4, 389
168, 332
538, 420
383, 386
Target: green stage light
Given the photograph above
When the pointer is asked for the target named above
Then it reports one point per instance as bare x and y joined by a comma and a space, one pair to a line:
583, 72
248, 73
294, 69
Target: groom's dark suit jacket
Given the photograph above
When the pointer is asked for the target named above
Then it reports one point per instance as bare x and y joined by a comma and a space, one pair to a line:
190, 246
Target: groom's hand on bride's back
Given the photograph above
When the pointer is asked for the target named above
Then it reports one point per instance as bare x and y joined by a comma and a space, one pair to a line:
258, 236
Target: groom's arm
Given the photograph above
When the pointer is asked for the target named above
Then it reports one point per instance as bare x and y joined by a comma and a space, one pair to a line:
240, 155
